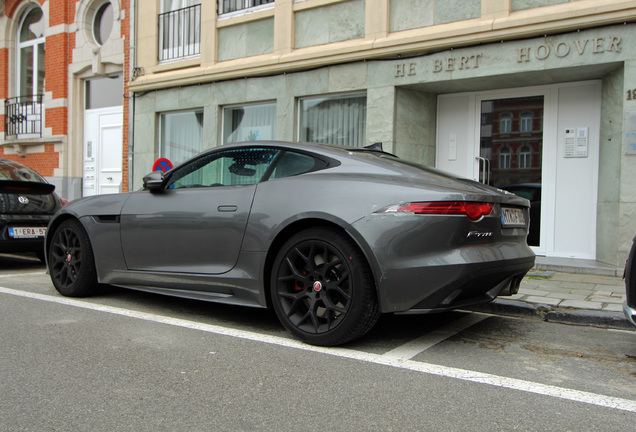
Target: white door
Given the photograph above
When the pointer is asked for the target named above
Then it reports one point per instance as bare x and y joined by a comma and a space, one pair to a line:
543, 139
103, 150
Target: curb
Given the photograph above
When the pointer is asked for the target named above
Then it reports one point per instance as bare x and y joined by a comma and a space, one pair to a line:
560, 315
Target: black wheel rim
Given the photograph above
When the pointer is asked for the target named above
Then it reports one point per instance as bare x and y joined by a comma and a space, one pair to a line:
65, 259
314, 286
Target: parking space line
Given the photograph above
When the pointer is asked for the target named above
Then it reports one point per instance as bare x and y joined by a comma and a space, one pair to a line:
33, 273
427, 368
421, 344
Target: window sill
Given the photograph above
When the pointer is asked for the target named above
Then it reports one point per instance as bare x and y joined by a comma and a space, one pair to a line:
176, 64
246, 15
20, 144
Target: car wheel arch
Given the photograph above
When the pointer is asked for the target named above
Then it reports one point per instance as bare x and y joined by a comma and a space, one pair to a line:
296, 227
53, 226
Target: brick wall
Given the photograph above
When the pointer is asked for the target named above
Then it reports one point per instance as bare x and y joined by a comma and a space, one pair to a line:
57, 60
43, 163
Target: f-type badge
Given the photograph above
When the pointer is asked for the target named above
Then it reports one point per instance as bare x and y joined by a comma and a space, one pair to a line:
479, 234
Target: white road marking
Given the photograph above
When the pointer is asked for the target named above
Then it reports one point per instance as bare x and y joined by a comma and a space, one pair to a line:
432, 369
33, 273
421, 344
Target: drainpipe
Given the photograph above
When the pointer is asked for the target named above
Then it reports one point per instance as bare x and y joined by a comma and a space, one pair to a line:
131, 106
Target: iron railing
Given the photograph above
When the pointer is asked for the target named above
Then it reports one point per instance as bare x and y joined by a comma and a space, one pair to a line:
226, 6
180, 33
23, 116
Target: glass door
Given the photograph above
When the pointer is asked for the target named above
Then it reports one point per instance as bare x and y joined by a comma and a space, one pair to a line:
511, 151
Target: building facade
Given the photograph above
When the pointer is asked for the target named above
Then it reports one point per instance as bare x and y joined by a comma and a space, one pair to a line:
538, 93
508, 92
63, 76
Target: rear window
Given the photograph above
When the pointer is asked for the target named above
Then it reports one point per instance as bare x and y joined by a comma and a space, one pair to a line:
292, 163
15, 172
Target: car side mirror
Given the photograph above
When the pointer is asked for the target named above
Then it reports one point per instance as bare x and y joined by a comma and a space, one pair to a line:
154, 180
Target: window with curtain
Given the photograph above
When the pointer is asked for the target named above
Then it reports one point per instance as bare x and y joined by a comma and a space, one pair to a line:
226, 6
31, 53
179, 29
24, 112
339, 120
256, 122
181, 135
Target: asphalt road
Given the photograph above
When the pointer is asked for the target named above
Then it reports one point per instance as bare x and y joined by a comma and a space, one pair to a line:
130, 361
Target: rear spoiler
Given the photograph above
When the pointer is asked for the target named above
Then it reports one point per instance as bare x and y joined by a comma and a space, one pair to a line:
25, 187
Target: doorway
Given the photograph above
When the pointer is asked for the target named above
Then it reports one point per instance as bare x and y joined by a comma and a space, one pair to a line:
103, 151
539, 142
103, 135
511, 151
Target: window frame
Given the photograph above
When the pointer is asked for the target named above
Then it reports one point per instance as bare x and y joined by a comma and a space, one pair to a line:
35, 44
525, 157
161, 149
505, 158
247, 105
361, 140
169, 47
505, 119
96, 24
525, 122
248, 6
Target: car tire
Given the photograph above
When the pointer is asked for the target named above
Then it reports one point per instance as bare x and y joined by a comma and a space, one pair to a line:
71, 262
322, 289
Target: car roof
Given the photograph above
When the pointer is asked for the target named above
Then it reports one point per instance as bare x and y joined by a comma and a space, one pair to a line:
325, 149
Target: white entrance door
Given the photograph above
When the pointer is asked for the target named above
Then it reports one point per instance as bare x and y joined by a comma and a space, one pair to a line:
103, 150
544, 138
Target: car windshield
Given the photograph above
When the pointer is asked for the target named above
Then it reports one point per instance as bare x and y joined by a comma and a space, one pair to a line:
15, 172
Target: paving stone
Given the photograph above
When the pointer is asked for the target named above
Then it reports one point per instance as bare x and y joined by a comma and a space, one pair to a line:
534, 292
543, 300
613, 307
581, 304
566, 296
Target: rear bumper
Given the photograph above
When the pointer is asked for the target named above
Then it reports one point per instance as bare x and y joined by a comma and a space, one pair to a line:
441, 288
10, 244
427, 264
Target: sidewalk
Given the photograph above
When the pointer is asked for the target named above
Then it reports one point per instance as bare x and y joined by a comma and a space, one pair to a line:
569, 292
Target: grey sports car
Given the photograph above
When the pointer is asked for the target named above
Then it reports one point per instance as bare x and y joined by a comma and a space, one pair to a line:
329, 237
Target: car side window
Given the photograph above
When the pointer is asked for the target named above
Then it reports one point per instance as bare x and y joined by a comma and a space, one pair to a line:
227, 168
291, 164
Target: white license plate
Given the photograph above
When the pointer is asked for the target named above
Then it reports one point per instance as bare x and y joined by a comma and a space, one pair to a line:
27, 232
511, 217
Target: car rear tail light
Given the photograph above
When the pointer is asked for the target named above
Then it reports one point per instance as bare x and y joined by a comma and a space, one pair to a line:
472, 210
63, 201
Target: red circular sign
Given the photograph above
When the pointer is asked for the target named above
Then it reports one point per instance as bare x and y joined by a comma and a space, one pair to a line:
162, 164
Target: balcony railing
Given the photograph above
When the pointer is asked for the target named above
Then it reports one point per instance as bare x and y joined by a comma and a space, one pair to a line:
23, 116
226, 6
180, 33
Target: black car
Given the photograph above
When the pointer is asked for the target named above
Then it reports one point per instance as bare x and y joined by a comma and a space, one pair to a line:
629, 307
531, 192
27, 202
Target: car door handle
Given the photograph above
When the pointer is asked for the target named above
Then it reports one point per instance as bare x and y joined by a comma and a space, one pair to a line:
227, 208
